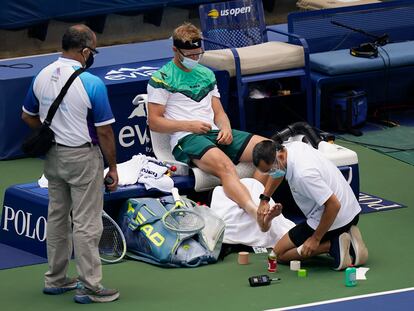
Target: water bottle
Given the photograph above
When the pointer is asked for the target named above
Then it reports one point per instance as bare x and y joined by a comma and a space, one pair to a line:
350, 276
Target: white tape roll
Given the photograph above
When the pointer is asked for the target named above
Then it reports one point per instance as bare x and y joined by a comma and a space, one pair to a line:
295, 265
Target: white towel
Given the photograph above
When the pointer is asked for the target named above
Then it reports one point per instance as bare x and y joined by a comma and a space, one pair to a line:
140, 169
43, 182
241, 228
129, 171
164, 183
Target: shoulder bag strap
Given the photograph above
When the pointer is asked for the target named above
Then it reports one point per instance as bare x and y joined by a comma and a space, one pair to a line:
55, 105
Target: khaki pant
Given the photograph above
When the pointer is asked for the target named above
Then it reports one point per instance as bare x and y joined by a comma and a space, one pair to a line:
75, 178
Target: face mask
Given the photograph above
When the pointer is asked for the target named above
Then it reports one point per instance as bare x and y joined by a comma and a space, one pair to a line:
277, 173
89, 61
189, 63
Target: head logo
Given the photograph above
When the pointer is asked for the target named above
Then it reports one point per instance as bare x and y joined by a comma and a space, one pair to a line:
213, 13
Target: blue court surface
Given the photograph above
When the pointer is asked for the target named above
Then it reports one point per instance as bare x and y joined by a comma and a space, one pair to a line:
395, 300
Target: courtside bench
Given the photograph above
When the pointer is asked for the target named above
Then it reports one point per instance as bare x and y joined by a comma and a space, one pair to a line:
330, 60
24, 217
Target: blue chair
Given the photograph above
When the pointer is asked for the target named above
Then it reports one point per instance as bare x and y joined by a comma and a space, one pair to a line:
235, 39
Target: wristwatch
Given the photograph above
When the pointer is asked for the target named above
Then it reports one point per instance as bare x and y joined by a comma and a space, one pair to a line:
264, 197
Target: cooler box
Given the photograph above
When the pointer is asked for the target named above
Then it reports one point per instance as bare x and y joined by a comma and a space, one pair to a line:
346, 160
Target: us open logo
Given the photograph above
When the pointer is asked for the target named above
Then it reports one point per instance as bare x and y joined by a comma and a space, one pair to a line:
229, 12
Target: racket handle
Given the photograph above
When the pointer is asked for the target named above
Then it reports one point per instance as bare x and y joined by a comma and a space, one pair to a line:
175, 194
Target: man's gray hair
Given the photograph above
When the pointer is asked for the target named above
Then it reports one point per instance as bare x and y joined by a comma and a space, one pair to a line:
77, 37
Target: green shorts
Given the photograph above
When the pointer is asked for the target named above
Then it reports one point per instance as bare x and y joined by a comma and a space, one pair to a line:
194, 146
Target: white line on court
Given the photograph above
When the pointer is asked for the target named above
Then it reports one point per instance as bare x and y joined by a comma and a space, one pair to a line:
343, 299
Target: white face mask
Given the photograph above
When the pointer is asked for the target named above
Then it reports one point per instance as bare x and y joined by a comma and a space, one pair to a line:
189, 63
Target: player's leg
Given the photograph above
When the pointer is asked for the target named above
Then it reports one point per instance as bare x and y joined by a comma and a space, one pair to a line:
287, 247
217, 163
219, 160
247, 156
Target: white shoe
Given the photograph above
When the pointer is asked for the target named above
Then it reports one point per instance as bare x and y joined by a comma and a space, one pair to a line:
340, 251
358, 248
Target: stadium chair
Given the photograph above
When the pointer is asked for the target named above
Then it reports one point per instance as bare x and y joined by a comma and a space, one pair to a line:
161, 148
329, 4
235, 39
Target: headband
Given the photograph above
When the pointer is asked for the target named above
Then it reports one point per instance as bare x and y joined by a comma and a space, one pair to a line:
187, 45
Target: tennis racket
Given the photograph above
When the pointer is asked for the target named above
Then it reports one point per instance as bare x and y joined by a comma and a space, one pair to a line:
181, 219
112, 246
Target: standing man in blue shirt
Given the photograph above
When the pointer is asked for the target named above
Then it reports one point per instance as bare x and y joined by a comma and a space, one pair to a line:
74, 166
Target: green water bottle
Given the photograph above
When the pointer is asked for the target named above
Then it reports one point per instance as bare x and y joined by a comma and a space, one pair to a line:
350, 276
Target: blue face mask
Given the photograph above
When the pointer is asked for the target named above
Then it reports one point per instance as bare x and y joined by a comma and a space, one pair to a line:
277, 170
277, 173
189, 63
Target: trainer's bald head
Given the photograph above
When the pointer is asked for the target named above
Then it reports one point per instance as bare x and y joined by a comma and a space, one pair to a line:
78, 37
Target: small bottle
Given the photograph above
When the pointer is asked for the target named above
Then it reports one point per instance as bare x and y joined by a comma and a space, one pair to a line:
350, 276
272, 262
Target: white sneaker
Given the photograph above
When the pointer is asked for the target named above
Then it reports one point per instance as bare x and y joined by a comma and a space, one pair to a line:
358, 249
340, 251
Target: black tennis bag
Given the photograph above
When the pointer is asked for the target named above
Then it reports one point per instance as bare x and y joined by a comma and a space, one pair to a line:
348, 110
39, 142
150, 241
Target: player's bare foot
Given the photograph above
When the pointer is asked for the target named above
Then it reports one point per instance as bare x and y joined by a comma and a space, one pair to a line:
273, 212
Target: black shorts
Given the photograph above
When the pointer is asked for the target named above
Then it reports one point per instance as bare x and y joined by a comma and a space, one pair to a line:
300, 233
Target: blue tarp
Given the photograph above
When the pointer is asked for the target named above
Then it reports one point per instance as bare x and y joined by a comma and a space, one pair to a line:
23, 13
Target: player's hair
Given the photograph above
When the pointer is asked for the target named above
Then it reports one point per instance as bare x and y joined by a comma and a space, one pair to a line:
187, 32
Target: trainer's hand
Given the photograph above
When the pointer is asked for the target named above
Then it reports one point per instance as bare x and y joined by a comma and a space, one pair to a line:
225, 136
263, 209
199, 127
310, 246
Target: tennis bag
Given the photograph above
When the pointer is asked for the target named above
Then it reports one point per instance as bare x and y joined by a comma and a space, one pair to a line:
348, 110
150, 241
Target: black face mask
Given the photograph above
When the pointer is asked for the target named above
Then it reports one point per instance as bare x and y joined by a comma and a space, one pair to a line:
89, 61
